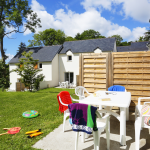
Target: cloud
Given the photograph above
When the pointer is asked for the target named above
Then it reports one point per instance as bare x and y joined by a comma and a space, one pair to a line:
72, 23
136, 33
136, 9
88, 4
10, 56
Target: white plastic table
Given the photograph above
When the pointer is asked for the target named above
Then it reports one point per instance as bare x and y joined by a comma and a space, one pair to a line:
118, 99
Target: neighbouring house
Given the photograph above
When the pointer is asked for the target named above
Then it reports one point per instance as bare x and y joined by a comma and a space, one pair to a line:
48, 62
61, 62
135, 46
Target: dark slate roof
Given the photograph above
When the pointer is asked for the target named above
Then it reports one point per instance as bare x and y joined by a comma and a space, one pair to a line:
139, 45
135, 46
87, 46
43, 54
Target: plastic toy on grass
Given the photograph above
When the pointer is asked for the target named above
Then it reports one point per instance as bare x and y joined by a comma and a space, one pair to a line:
34, 131
13, 130
34, 134
30, 114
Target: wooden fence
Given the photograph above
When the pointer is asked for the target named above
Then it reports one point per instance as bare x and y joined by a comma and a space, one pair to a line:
129, 69
20, 86
94, 71
132, 70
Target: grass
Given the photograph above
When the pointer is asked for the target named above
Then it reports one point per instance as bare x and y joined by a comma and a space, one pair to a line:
13, 104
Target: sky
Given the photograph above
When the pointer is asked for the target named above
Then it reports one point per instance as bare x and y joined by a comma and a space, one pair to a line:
128, 18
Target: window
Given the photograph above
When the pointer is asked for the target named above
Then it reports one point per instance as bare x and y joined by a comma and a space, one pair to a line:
40, 65
69, 58
69, 76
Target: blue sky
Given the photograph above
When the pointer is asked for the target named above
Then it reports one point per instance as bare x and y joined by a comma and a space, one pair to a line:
128, 18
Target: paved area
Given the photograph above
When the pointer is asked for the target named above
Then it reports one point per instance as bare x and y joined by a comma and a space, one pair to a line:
59, 140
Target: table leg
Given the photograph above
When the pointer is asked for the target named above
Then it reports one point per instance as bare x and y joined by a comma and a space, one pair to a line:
127, 114
122, 126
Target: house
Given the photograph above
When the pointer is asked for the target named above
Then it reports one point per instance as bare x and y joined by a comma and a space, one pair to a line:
135, 46
61, 62
48, 62
69, 55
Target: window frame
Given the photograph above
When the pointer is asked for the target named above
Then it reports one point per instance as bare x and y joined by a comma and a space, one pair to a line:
40, 65
68, 57
69, 73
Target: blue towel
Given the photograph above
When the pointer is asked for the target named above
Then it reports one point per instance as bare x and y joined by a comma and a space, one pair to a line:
117, 88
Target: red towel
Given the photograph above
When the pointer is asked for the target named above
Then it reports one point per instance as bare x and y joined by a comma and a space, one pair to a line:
65, 98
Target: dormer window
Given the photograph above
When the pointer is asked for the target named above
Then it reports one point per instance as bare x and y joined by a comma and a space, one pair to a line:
70, 58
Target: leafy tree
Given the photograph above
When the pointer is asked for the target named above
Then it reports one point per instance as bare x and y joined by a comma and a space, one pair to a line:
21, 46
15, 14
69, 38
78, 36
4, 81
88, 34
125, 43
147, 34
27, 71
47, 37
118, 39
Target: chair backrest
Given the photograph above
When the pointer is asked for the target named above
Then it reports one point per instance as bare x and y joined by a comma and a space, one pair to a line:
64, 99
79, 91
117, 88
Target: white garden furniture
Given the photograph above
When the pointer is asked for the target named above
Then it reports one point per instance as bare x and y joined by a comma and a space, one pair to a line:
118, 99
139, 121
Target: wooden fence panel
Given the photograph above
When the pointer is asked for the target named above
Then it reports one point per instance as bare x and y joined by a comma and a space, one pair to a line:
94, 71
20, 86
132, 70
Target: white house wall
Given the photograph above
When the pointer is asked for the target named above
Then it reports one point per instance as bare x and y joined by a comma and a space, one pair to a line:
50, 70
55, 69
13, 76
47, 72
68, 66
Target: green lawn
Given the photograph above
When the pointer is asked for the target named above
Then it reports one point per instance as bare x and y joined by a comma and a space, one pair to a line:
13, 104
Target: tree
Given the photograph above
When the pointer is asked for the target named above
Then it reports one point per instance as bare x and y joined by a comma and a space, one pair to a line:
47, 37
88, 34
118, 39
15, 14
69, 38
27, 71
125, 43
147, 34
78, 36
21, 46
4, 81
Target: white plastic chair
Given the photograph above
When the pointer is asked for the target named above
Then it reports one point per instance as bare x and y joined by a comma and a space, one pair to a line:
63, 84
139, 121
79, 91
66, 112
102, 124
59, 84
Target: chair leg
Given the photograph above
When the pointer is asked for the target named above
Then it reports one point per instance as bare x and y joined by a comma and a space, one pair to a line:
108, 133
65, 116
76, 140
137, 136
83, 137
96, 140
